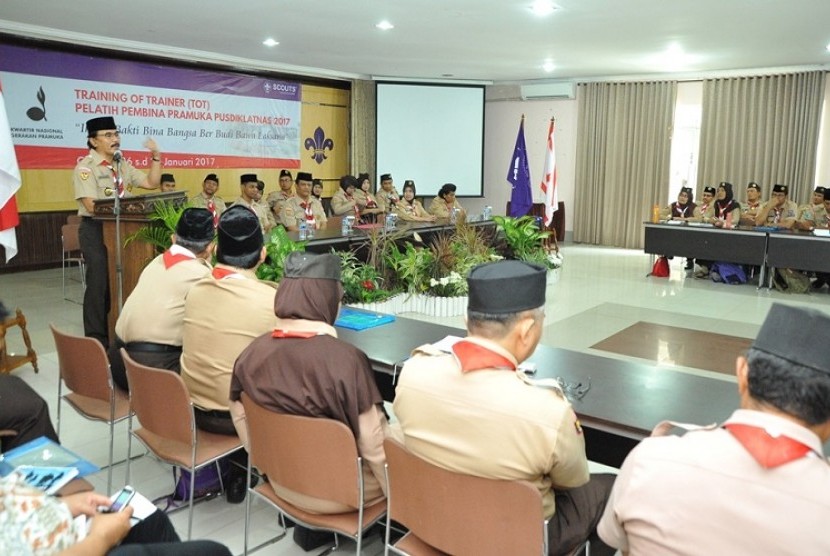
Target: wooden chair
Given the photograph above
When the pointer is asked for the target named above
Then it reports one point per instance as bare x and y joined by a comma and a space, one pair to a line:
9, 361
162, 404
71, 254
312, 456
453, 513
85, 370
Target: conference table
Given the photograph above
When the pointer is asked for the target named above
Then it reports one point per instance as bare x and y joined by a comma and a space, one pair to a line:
762, 247
625, 401
331, 237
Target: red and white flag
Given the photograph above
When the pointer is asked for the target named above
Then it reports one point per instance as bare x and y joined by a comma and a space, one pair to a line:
549, 179
9, 184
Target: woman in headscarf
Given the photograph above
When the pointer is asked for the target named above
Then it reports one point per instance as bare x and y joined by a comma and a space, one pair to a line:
727, 209
409, 208
302, 368
684, 208
344, 203
366, 202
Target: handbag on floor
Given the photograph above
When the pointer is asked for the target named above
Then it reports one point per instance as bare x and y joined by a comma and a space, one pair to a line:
660, 268
207, 481
790, 281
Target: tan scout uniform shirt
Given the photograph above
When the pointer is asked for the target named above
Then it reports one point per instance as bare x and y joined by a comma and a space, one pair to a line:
438, 207
788, 212
386, 199
221, 317
816, 217
276, 200
200, 201
292, 211
704, 214
703, 493
342, 205
154, 312
92, 177
489, 423
408, 212
266, 220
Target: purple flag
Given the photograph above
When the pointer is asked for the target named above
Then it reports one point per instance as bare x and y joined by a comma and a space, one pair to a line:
521, 196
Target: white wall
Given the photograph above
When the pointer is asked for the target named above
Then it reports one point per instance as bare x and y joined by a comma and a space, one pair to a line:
501, 126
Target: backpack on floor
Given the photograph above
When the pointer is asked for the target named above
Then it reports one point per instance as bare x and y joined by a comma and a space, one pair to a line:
790, 281
729, 273
207, 481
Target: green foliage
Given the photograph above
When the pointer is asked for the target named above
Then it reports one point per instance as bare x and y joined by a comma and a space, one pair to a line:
361, 282
412, 267
163, 222
523, 240
277, 247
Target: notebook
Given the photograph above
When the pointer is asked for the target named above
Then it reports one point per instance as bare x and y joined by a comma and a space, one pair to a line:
42, 452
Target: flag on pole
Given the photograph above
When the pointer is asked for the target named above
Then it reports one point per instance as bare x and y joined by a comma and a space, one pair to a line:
9, 184
549, 178
521, 196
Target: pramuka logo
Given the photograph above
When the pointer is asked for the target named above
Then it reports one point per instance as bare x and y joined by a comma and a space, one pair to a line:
318, 145
38, 113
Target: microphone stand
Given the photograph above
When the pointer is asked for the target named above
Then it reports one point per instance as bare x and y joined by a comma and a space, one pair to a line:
119, 281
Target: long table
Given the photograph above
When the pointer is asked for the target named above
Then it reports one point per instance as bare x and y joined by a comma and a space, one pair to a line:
797, 249
625, 401
330, 237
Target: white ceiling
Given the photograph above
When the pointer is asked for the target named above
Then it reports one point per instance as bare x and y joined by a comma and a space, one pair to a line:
484, 40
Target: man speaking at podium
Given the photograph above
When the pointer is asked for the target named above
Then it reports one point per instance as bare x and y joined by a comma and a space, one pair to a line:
98, 176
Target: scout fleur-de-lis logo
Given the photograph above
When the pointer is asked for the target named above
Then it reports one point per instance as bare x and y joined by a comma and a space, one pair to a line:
38, 113
318, 145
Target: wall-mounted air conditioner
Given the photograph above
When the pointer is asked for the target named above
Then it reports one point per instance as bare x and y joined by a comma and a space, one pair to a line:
562, 89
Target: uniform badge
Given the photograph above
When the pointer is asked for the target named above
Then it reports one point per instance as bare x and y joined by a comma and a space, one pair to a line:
84, 173
577, 424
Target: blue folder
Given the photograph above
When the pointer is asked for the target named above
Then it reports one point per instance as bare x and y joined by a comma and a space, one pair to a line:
361, 320
42, 452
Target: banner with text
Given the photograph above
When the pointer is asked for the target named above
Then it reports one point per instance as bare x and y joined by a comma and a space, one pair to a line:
201, 119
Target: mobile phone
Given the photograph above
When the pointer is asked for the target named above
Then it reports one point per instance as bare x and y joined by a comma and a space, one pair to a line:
122, 500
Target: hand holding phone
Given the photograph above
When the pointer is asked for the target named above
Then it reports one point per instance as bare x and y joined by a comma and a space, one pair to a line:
122, 500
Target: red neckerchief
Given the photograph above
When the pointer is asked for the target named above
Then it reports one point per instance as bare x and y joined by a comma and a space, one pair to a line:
309, 214
172, 259
769, 451
473, 357
118, 182
224, 273
777, 218
211, 206
282, 333
683, 212
371, 203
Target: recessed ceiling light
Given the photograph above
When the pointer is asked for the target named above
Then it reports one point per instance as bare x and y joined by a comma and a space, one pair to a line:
270, 42
548, 66
828, 48
542, 8
384, 25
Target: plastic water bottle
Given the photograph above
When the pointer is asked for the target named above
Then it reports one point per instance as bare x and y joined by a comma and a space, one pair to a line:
303, 230
309, 231
390, 222
344, 226
453, 215
487, 213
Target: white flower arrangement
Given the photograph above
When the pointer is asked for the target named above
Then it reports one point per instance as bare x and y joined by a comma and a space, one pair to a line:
555, 259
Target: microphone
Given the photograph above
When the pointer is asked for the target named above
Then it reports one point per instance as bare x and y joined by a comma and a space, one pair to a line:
117, 156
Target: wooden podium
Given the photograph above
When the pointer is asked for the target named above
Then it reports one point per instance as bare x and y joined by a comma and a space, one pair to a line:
135, 214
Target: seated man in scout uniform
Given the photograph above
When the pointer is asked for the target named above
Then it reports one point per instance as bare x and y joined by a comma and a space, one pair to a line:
277, 199
779, 210
472, 412
223, 313
208, 199
757, 484
249, 195
150, 324
303, 206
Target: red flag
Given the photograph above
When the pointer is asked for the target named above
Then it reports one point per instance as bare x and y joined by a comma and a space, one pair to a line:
9, 184
549, 179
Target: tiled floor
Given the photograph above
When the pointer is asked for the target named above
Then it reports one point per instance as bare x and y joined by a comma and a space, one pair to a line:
601, 291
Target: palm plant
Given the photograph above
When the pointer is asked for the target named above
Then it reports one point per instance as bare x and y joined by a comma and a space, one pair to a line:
163, 222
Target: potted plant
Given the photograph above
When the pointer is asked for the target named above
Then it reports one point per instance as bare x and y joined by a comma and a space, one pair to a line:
522, 239
162, 226
277, 247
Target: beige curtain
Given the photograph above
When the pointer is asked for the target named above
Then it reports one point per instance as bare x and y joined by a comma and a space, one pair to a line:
363, 128
622, 159
762, 129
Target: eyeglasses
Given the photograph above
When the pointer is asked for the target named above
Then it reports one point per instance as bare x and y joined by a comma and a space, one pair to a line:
109, 134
